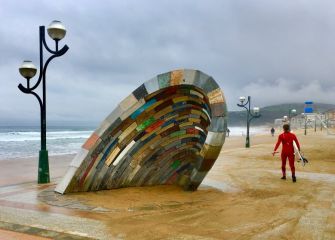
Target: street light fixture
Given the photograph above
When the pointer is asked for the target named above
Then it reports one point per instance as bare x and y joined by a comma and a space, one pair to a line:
250, 115
56, 31
27, 69
242, 99
292, 113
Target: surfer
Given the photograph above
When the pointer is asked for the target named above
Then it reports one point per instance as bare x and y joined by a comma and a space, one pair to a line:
287, 138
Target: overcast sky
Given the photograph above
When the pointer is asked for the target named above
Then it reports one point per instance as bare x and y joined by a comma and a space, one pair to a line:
276, 51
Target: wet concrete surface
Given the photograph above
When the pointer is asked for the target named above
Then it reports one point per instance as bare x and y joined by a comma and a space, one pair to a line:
29, 205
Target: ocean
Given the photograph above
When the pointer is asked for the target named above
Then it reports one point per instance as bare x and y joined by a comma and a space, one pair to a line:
22, 142
242, 131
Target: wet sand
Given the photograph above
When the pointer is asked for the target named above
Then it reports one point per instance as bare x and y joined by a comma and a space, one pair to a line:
23, 170
249, 200
242, 197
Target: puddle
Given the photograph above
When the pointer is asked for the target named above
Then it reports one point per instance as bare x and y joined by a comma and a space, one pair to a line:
224, 187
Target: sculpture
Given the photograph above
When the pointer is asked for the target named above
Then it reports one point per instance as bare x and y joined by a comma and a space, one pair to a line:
170, 130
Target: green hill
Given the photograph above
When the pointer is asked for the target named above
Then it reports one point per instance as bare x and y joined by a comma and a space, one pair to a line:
269, 113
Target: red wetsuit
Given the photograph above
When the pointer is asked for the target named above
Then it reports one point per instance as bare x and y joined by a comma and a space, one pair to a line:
287, 138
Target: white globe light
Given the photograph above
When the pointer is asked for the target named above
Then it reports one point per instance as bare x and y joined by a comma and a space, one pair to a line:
242, 99
27, 69
256, 110
56, 30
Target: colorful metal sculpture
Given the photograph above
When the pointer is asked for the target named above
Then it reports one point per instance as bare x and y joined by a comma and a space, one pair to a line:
170, 130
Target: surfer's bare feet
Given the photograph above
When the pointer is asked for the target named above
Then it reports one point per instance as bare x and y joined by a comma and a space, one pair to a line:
294, 179
283, 177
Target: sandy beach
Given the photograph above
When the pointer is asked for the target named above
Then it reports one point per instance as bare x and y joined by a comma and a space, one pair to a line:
242, 197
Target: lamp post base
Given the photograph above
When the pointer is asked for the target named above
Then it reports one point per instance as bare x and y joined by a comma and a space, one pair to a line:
43, 167
247, 142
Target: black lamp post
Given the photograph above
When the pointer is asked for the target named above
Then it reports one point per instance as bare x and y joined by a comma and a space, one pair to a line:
305, 118
56, 31
250, 116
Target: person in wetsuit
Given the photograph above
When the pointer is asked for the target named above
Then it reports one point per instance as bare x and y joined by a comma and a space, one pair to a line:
286, 139
272, 132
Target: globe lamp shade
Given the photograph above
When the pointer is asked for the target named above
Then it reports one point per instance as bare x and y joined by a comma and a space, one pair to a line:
27, 69
56, 30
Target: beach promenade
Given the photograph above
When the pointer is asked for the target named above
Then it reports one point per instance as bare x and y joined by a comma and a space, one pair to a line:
242, 197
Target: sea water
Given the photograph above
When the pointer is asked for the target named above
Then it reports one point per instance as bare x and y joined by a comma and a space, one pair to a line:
242, 131
22, 142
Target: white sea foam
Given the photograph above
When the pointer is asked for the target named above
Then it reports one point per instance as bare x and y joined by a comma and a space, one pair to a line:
21, 142
242, 131
35, 136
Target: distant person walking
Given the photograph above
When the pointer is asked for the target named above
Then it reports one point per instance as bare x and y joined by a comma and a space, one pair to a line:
272, 131
286, 139
227, 133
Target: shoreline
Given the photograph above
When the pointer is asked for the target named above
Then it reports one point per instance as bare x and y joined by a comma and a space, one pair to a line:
20, 148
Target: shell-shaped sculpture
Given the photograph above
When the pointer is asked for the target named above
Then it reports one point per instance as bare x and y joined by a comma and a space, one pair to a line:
170, 130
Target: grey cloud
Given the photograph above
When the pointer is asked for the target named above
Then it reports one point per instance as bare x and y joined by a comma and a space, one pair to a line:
250, 47
286, 91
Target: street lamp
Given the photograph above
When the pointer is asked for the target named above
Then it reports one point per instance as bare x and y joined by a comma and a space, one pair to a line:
250, 115
56, 31
305, 118
291, 113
